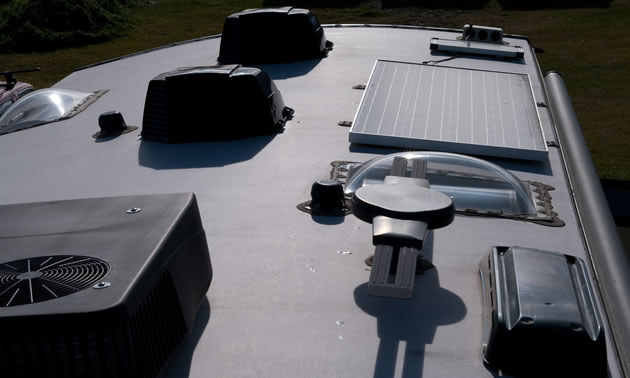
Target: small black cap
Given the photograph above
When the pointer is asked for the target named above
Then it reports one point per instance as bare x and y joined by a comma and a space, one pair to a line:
111, 122
327, 195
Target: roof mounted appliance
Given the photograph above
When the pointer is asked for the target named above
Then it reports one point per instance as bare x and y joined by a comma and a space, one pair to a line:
272, 35
456, 46
401, 210
478, 40
540, 315
470, 182
106, 287
419, 106
212, 103
482, 34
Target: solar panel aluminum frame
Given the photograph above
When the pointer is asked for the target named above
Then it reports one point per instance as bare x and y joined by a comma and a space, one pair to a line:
358, 133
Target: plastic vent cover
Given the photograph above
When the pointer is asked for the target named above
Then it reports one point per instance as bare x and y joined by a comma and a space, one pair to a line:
124, 304
45, 106
39, 279
212, 103
272, 35
471, 183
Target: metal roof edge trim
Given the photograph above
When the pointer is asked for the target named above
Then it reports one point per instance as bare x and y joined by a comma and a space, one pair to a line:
608, 257
148, 51
413, 27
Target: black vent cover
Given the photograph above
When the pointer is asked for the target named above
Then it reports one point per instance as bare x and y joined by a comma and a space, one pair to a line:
104, 287
272, 35
39, 279
212, 103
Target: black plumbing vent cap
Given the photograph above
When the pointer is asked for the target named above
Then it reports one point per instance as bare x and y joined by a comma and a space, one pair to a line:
102, 287
212, 103
112, 124
327, 196
272, 35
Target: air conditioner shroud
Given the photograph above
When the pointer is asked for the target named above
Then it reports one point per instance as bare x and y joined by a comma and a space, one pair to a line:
131, 326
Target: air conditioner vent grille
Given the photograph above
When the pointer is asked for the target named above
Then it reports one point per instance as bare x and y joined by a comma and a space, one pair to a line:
43, 278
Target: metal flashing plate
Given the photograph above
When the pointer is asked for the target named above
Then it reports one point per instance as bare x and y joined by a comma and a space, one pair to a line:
420, 106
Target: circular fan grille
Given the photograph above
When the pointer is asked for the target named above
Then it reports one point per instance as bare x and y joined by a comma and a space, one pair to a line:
44, 278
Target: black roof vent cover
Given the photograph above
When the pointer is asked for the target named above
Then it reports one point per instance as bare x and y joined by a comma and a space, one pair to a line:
34, 280
212, 103
118, 307
272, 35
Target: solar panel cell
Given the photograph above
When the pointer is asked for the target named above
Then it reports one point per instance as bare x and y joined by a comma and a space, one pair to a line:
420, 106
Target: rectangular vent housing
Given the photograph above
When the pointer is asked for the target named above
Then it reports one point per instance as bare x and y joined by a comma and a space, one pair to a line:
272, 35
482, 34
212, 103
131, 323
540, 315
457, 46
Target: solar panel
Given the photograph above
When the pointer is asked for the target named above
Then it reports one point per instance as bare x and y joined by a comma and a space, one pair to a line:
420, 106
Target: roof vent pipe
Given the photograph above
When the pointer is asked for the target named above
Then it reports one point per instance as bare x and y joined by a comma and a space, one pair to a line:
112, 124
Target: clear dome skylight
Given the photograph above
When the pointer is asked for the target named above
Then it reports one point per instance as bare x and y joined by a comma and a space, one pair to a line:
473, 184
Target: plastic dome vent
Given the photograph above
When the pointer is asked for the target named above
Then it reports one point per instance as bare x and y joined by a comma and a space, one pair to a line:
121, 306
272, 35
212, 103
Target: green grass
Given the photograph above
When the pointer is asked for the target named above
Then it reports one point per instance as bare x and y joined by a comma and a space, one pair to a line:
589, 46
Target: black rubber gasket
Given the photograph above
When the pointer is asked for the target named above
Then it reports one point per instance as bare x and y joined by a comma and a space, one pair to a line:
306, 207
102, 135
546, 216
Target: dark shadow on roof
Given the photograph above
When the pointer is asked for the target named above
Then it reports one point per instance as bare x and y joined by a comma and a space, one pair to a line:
199, 155
517, 165
373, 149
414, 321
180, 366
289, 70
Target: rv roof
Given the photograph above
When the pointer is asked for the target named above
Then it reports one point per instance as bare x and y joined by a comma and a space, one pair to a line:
289, 297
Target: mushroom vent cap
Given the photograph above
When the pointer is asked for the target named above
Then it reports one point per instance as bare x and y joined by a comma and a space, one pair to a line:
272, 35
195, 104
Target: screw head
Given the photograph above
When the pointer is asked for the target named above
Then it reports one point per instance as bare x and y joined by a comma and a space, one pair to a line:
134, 210
102, 285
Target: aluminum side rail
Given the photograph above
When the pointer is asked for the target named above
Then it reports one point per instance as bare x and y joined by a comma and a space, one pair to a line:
610, 261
